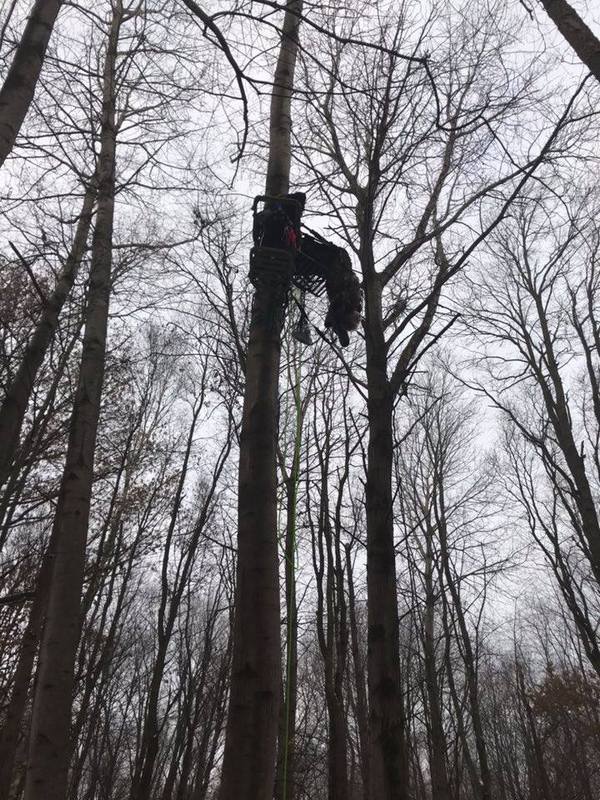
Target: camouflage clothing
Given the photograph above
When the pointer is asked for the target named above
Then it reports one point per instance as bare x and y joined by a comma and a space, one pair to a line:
333, 264
345, 299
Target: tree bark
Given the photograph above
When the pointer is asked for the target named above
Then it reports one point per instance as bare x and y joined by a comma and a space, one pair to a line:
338, 773
440, 786
13, 721
576, 32
470, 658
388, 758
331, 623
359, 678
388, 766
49, 746
18, 394
285, 783
19, 85
251, 737
286, 753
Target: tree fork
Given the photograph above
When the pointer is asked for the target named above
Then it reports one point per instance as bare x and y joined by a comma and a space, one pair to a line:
251, 736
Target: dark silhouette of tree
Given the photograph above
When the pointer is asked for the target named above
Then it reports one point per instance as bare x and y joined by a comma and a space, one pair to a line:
576, 32
251, 741
19, 85
49, 751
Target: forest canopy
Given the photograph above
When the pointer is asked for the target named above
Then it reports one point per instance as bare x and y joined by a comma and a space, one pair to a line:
299, 400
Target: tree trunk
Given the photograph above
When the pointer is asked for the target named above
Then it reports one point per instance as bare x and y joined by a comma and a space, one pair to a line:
18, 394
49, 746
559, 415
167, 614
538, 778
251, 736
576, 32
388, 766
285, 781
172, 593
458, 705
331, 628
284, 784
388, 759
19, 85
211, 738
440, 787
359, 678
469, 656
36, 441
338, 774
13, 721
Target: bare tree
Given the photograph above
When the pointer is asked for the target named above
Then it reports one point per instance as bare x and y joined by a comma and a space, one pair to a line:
251, 741
49, 743
172, 593
369, 116
541, 317
18, 394
365, 510
334, 448
448, 516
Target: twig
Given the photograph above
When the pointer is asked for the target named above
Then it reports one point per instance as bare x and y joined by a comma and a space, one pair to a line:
18, 597
239, 75
32, 277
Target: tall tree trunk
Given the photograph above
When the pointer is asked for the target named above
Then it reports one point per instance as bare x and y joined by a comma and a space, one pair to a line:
576, 32
195, 717
556, 399
171, 597
331, 626
338, 774
286, 752
388, 767
49, 747
458, 705
20, 82
388, 758
251, 736
211, 738
359, 678
469, 655
284, 784
440, 786
18, 393
37, 440
13, 722
539, 785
